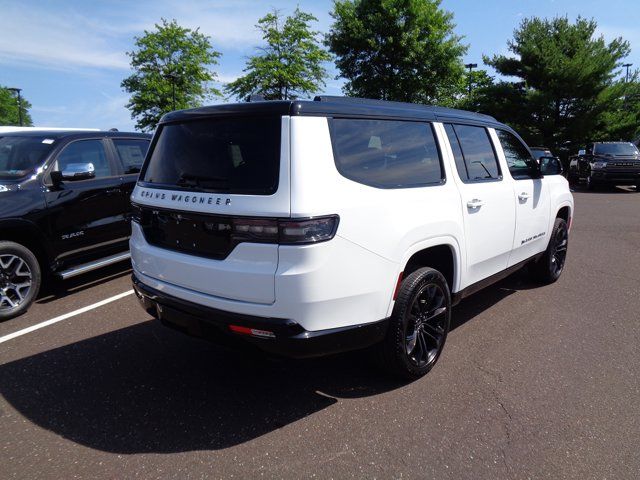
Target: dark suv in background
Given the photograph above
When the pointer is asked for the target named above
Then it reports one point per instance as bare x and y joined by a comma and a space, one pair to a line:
606, 163
64, 206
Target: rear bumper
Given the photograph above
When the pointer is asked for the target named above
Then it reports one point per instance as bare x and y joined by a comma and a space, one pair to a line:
289, 338
616, 178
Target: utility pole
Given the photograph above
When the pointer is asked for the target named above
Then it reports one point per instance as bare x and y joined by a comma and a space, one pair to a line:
18, 90
470, 66
627, 65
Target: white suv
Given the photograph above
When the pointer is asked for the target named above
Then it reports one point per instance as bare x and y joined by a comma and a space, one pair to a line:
313, 227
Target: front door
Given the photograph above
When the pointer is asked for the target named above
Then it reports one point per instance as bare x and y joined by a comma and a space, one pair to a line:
530, 197
86, 215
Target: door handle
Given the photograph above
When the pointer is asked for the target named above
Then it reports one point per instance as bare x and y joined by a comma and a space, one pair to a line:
112, 191
524, 196
475, 203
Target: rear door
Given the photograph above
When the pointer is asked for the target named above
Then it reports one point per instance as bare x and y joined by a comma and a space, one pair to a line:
530, 197
487, 201
86, 215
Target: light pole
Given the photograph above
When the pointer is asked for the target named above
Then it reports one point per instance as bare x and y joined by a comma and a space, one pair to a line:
18, 90
470, 66
627, 65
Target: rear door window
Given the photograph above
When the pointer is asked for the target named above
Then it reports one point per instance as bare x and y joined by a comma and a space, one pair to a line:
230, 155
131, 153
473, 151
386, 153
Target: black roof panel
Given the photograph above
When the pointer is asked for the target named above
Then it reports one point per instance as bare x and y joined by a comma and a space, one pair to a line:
57, 134
332, 106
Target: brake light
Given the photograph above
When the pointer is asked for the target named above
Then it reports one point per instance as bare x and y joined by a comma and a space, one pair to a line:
286, 232
308, 231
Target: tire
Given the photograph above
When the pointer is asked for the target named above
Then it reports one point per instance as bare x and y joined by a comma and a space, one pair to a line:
418, 326
20, 279
591, 185
551, 265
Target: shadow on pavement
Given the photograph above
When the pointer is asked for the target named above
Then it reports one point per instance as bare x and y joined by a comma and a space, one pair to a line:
146, 388
54, 289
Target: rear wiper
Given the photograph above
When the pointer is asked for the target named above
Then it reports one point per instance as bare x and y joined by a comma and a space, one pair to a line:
189, 180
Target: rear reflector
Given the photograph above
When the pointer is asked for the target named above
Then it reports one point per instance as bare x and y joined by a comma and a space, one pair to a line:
397, 290
254, 332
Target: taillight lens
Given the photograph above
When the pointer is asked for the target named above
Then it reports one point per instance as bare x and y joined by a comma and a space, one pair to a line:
287, 232
308, 231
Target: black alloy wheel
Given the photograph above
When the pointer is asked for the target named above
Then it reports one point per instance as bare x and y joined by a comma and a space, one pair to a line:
551, 265
419, 324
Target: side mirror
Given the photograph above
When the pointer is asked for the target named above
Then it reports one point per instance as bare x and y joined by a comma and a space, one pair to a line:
551, 166
79, 171
582, 153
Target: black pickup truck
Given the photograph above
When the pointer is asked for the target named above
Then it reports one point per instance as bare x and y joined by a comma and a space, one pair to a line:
64, 206
606, 163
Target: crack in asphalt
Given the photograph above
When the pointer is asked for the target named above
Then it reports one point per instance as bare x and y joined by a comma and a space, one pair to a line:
497, 377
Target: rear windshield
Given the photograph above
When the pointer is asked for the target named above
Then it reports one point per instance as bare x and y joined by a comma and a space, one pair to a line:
19, 156
230, 155
615, 149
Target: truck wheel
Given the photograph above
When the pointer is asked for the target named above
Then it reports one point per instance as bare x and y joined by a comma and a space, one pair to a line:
20, 279
418, 326
550, 266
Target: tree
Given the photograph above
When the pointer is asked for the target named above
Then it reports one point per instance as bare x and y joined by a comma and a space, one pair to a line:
622, 118
290, 65
9, 113
401, 50
171, 72
476, 81
565, 75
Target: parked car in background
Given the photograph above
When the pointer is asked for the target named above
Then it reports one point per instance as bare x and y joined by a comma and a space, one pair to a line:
538, 152
606, 163
64, 206
313, 227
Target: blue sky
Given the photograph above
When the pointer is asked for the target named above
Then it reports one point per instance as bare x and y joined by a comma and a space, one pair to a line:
69, 56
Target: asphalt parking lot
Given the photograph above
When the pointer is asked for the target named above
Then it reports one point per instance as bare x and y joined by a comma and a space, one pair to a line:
535, 382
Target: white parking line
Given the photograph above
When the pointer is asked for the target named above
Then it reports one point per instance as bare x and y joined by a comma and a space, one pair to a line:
38, 326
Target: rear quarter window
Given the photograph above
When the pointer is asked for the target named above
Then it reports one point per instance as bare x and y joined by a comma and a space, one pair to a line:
386, 153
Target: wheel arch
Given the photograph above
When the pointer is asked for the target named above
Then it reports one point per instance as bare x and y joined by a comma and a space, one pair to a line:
27, 234
441, 253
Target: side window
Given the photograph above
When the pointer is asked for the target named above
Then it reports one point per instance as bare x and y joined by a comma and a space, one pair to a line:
86, 151
521, 163
131, 153
386, 153
474, 155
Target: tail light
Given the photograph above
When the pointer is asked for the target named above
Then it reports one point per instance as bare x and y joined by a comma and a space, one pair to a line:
286, 232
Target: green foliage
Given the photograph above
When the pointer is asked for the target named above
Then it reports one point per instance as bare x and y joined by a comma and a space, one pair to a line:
290, 65
621, 120
171, 72
566, 82
9, 114
476, 83
403, 50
